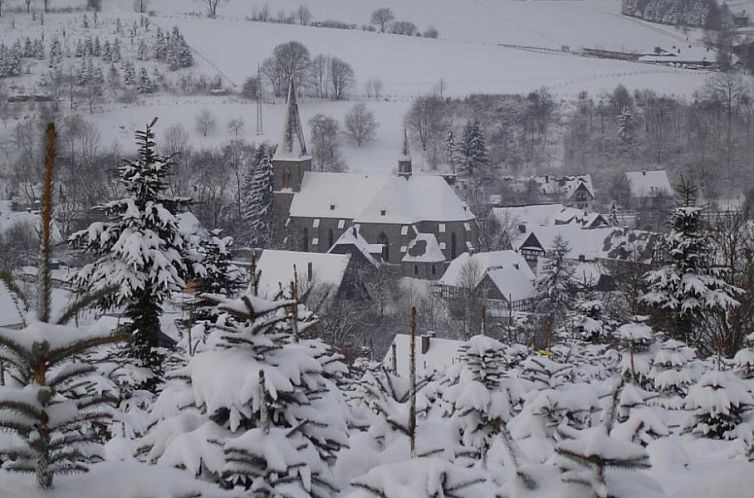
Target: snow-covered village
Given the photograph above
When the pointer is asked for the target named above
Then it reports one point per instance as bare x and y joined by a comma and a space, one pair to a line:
376, 249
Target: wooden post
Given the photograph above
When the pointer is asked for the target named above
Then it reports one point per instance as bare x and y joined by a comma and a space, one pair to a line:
44, 271
254, 273
484, 320
264, 418
412, 387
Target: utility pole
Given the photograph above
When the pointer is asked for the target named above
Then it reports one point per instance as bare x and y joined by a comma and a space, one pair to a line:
260, 124
412, 387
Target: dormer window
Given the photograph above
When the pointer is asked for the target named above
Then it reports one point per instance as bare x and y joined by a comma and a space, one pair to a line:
332, 206
383, 212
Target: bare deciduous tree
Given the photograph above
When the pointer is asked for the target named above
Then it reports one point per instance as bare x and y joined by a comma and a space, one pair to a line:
236, 125
342, 78
289, 61
304, 15
381, 17
205, 122
360, 124
28, 6
211, 7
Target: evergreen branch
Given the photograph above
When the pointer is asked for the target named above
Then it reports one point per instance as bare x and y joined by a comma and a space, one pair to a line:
84, 302
57, 355
17, 295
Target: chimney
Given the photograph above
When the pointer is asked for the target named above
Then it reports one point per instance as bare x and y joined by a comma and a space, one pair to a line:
353, 231
309, 271
426, 339
643, 173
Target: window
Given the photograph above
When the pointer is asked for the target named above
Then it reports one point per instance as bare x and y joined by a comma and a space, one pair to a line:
330, 238
382, 239
467, 226
441, 227
341, 224
383, 212
305, 241
404, 230
453, 245
403, 249
442, 246
433, 270
315, 223
315, 241
416, 269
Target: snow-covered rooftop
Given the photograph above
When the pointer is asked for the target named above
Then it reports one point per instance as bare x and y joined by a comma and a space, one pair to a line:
441, 354
534, 215
277, 267
352, 237
378, 199
513, 283
10, 218
292, 145
424, 249
482, 263
565, 184
649, 183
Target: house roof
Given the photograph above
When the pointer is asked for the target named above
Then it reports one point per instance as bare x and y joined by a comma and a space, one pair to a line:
544, 215
353, 238
565, 184
597, 243
649, 183
364, 199
485, 262
513, 283
277, 268
441, 354
424, 249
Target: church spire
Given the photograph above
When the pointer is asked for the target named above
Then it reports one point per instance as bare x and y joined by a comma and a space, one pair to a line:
404, 160
292, 144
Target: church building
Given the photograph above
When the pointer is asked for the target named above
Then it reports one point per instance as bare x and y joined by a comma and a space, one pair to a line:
417, 220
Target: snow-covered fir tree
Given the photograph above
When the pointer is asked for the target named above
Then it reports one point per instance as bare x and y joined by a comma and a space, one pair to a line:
688, 285
129, 73
259, 409
636, 361
140, 249
257, 197
555, 285
56, 53
719, 402
584, 459
145, 83
626, 125
743, 361
473, 150
476, 398
672, 374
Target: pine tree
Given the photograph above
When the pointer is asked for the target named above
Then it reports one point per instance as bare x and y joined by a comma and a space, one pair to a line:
688, 286
107, 52
259, 409
584, 459
671, 374
129, 74
258, 199
141, 50
450, 149
636, 360
116, 50
626, 125
52, 398
97, 47
160, 45
140, 248
719, 401
473, 150
56, 53
555, 285
145, 84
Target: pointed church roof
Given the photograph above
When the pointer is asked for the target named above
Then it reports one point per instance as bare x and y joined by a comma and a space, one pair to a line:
405, 150
292, 145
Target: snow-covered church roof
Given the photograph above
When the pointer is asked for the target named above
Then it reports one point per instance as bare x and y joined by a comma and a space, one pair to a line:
378, 199
292, 145
424, 249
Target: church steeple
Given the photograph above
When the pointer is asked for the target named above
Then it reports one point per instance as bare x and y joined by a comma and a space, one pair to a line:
405, 169
292, 145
